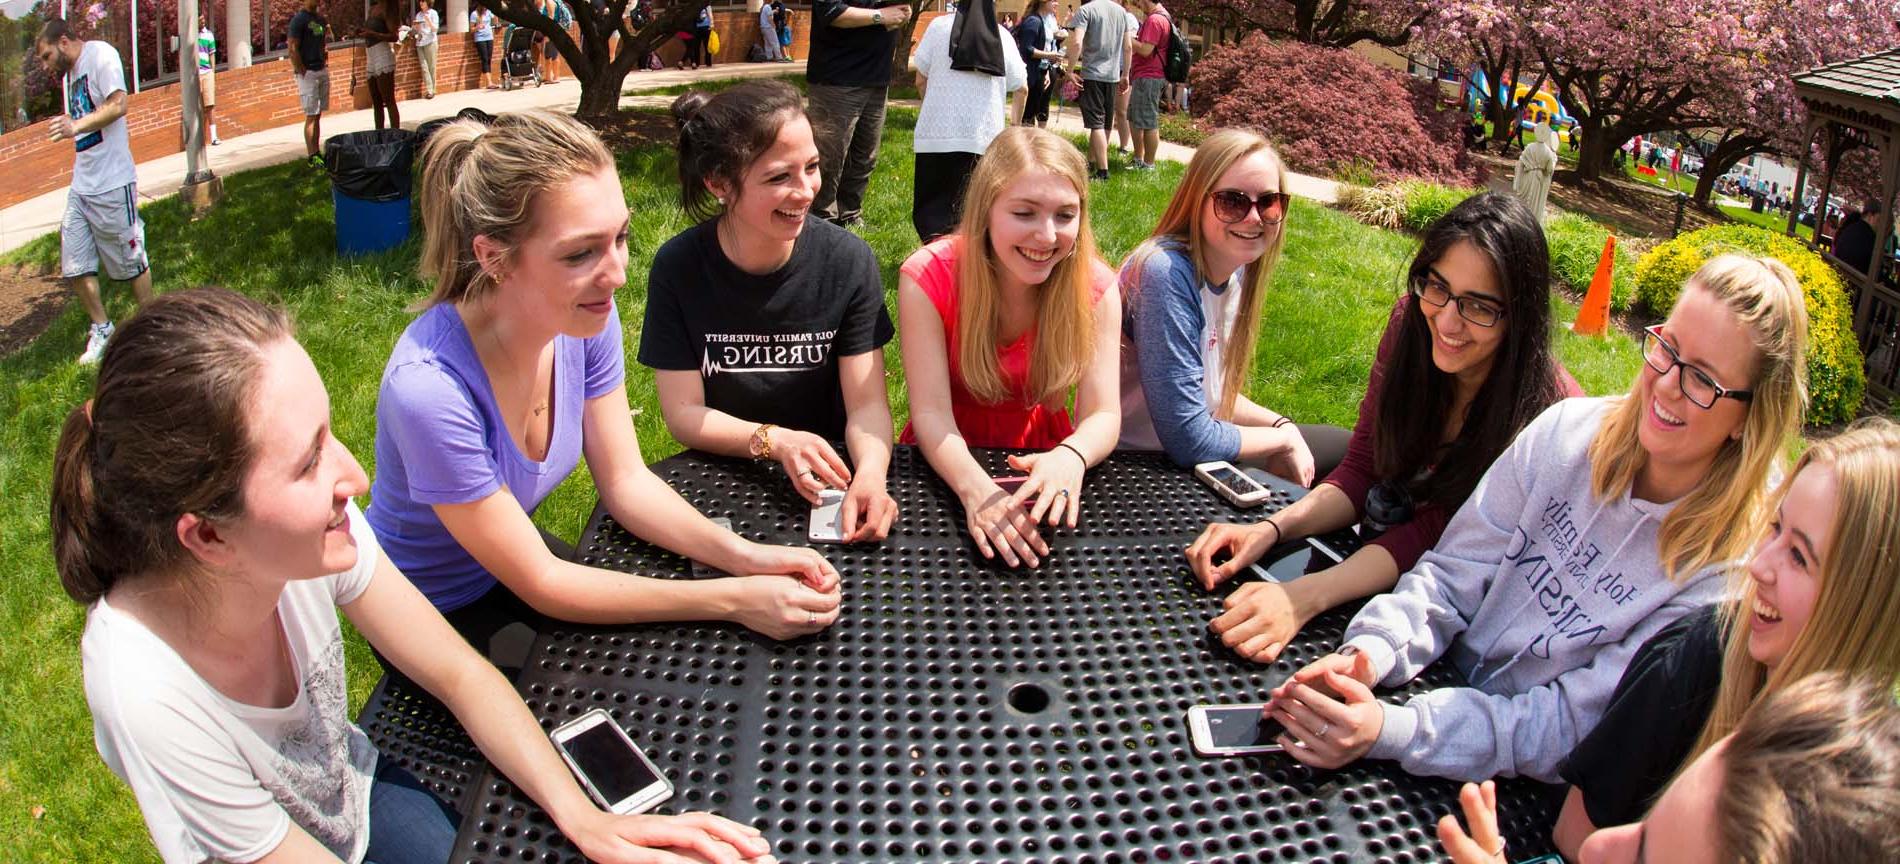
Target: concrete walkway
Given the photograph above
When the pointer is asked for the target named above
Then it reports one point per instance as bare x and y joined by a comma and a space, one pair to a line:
161, 178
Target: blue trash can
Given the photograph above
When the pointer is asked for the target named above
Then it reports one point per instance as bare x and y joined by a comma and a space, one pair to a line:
369, 187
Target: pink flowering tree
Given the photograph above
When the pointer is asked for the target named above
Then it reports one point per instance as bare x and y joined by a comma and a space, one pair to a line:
1331, 23
1489, 36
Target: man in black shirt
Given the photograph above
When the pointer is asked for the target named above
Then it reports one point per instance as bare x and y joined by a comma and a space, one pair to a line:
309, 59
850, 71
1854, 243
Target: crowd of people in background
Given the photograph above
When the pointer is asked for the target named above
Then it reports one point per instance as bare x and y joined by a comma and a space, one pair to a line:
1648, 606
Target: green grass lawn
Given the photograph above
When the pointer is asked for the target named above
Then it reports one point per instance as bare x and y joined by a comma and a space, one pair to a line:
272, 238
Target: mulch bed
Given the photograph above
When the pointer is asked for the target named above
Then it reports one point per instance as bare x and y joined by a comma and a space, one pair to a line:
29, 301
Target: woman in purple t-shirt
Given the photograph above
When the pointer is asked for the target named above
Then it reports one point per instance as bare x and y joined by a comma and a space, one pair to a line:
511, 374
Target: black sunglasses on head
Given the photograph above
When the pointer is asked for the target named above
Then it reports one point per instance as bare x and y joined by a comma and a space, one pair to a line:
1231, 205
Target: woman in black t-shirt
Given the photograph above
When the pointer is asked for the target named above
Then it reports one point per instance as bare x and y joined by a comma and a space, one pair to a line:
1822, 593
764, 323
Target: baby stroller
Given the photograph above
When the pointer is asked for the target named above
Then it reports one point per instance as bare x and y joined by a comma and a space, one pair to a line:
517, 59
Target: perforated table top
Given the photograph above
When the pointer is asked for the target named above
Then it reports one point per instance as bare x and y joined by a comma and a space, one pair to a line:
964, 711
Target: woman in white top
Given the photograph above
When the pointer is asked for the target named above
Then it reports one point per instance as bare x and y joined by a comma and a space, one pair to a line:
203, 510
972, 86
425, 27
379, 41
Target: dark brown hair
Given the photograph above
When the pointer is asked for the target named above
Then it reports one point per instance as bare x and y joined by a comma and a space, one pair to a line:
53, 30
164, 435
721, 134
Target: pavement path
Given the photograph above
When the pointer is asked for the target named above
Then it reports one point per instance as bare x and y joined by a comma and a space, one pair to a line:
162, 177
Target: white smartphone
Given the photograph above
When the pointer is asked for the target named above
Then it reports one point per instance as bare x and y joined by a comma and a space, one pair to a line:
827, 519
1239, 489
612, 770
1233, 730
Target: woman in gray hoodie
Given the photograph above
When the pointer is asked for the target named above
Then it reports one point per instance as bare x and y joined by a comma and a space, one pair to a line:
1604, 521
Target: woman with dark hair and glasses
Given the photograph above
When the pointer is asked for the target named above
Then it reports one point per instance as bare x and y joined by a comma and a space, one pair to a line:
1191, 298
1466, 354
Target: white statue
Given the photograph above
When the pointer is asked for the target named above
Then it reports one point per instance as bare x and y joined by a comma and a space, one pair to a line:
1531, 183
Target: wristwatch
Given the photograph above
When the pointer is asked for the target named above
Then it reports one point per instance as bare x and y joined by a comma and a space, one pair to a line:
761, 444
877, 17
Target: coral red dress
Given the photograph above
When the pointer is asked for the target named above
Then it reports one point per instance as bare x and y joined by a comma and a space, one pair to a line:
1014, 422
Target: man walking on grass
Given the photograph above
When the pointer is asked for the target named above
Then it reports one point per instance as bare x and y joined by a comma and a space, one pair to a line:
1148, 79
1097, 37
102, 224
309, 59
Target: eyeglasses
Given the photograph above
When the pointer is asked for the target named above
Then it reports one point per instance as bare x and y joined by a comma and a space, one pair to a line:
1431, 289
1696, 384
1231, 205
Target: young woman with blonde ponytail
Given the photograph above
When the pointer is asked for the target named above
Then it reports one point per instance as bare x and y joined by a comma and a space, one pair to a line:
1820, 592
512, 373
1001, 322
1603, 522
204, 511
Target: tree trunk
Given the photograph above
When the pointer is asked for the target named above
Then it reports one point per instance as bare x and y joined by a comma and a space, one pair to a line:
1731, 150
1594, 153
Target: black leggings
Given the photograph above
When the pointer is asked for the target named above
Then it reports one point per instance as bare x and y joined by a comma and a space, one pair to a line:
487, 622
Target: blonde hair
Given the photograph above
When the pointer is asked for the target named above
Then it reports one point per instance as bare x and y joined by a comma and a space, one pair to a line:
1065, 307
1852, 628
1813, 774
482, 180
1182, 221
1765, 297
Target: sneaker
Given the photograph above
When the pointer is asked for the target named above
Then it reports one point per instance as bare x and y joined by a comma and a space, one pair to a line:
215, 140
1142, 166
96, 344
316, 161
1099, 174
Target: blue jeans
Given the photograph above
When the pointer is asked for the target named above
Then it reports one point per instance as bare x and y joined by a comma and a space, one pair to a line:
407, 823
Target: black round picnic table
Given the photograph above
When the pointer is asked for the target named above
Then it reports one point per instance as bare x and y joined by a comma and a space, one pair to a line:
959, 710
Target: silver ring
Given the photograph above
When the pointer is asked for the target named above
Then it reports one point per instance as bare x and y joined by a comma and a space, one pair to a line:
1322, 729
1062, 493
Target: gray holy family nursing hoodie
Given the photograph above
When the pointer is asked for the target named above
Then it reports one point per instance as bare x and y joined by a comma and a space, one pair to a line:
1539, 594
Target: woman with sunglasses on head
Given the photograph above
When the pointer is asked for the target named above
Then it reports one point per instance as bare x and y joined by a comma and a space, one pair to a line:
765, 325
512, 372
204, 511
1191, 299
1458, 356
1602, 523
1809, 774
1001, 322
1821, 591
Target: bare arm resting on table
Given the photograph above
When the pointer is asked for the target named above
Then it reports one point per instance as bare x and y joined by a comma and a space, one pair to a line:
499, 536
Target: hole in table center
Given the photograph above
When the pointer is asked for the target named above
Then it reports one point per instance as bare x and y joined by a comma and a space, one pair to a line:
1028, 698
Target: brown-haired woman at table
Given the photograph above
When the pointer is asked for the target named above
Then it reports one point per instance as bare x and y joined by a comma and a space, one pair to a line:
512, 372
765, 324
1001, 322
203, 510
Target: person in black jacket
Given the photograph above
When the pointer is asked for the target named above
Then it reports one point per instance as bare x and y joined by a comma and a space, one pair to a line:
1036, 41
1854, 243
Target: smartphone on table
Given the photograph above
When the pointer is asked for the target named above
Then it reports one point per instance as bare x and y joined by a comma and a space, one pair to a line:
612, 770
1232, 484
827, 517
1233, 730
702, 570
1010, 483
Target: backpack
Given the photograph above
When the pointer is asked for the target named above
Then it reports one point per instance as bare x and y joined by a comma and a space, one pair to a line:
563, 16
1180, 56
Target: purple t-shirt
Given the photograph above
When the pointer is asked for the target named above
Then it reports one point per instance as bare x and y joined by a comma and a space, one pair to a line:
440, 440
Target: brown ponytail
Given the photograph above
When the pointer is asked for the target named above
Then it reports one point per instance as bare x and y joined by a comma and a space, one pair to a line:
722, 134
166, 435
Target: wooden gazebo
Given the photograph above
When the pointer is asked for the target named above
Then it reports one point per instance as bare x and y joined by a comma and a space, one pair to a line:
1856, 103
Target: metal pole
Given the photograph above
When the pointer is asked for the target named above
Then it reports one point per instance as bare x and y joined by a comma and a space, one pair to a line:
135, 48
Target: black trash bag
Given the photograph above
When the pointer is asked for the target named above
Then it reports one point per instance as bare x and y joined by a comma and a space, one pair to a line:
372, 165
427, 129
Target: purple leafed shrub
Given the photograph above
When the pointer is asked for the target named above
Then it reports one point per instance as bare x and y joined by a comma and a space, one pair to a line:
1332, 112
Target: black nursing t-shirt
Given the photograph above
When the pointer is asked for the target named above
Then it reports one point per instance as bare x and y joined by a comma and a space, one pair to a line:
1655, 715
767, 347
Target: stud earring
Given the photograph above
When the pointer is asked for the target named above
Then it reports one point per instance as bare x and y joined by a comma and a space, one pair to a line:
721, 199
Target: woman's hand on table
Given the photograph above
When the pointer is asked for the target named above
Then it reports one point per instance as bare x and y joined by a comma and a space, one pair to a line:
1324, 730
810, 463
802, 564
1261, 619
781, 607
689, 837
1485, 844
868, 510
1000, 525
1055, 483
1294, 459
1235, 546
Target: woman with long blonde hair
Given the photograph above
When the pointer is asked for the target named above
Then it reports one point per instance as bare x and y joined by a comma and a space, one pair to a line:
1602, 523
1820, 592
1000, 322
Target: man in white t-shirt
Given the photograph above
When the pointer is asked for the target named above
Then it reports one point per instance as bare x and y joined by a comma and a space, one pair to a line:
102, 227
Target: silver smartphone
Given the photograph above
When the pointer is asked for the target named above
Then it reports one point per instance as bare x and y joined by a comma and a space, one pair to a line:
707, 571
1232, 484
1233, 730
827, 519
612, 770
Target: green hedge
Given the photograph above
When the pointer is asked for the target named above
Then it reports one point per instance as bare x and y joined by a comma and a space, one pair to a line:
1837, 380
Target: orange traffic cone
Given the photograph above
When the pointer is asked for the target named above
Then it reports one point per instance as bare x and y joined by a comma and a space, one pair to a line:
1594, 317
